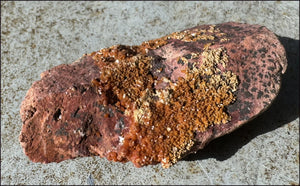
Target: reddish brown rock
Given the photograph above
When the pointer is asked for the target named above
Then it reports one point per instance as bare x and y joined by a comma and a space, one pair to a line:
62, 118
78, 110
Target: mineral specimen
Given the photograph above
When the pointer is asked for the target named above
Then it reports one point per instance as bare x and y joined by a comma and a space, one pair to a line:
153, 103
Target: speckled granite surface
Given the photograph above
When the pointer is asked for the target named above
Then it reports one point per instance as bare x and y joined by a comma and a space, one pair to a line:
36, 36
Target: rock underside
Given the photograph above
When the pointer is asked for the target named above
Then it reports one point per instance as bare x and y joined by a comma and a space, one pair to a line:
156, 102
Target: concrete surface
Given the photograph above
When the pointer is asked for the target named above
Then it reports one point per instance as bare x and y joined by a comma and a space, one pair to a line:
36, 36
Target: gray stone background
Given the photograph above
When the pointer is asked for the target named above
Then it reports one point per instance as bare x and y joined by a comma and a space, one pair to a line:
36, 36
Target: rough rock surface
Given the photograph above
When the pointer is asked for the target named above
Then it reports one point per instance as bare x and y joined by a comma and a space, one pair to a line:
61, 115
63, 118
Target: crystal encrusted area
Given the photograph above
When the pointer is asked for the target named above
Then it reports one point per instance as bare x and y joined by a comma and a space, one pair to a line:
164, 121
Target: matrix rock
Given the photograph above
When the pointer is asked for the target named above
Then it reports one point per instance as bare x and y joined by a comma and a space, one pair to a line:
156, 102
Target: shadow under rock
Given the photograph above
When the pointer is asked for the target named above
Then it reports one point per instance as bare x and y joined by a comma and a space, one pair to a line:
283, 110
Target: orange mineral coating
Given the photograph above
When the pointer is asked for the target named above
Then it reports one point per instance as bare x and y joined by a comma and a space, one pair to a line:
164, 121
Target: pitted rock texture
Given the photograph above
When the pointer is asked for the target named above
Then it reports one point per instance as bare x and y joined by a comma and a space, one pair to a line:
64, 115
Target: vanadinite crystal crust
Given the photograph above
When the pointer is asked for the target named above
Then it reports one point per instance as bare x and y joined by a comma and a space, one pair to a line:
153, 103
